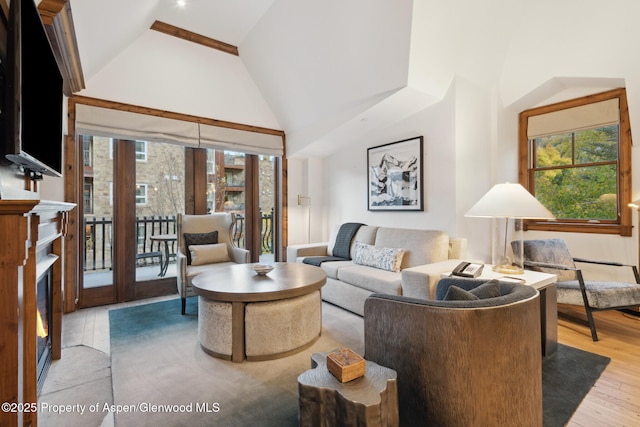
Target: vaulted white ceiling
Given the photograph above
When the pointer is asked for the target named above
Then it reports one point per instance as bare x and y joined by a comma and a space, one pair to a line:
326, 73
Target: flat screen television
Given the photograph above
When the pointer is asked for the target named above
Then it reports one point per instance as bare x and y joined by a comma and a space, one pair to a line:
33, 95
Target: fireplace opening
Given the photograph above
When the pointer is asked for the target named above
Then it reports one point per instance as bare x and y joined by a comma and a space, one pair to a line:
43, 324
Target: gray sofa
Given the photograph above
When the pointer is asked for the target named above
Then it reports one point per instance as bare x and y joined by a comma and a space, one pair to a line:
427, 254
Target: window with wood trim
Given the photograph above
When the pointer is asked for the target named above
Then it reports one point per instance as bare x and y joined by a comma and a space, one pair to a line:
575, 158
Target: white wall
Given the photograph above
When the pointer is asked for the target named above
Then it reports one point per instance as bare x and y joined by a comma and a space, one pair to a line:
172, 74
344, 188
475, 147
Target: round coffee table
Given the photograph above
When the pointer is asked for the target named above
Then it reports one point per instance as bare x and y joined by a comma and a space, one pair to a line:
242, 315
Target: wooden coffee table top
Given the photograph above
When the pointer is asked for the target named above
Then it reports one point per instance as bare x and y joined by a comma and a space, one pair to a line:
239, 283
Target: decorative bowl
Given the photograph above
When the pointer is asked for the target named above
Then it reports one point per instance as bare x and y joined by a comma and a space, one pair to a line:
262, 269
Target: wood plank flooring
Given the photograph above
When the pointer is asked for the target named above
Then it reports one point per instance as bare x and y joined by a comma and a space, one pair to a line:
615, 398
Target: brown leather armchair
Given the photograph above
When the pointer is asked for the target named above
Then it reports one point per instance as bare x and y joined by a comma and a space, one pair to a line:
461, 362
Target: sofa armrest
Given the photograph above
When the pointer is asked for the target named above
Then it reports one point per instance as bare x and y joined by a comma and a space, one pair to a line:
422, 281
457, 248
308, 249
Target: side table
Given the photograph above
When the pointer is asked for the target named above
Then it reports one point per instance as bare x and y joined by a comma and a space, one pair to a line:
166, 238
371, 400
546, 285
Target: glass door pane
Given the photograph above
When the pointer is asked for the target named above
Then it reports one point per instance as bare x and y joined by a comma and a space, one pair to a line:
267, 203
159, 197
226, 188
237, 181
98, 216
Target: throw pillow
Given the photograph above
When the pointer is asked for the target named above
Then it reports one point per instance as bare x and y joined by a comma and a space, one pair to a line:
454, 293
389, 259
209, 254
490, 289
199, 239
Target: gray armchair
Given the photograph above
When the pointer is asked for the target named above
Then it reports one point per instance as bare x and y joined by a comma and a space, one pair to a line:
471, 362
553, 256
208, 238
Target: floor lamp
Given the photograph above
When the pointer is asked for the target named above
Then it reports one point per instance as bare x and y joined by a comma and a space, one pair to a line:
508, 204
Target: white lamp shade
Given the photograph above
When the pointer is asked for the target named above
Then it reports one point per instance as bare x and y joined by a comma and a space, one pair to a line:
509, 201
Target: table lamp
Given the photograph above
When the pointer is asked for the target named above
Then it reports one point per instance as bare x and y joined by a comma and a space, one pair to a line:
508, 203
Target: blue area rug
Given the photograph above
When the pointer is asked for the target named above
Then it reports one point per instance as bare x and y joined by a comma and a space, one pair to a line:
159, 318
156, 358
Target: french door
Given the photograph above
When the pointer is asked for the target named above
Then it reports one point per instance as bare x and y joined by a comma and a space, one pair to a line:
248, 186
132, 193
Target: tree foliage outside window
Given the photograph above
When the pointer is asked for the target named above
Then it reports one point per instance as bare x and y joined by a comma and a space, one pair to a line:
576, 174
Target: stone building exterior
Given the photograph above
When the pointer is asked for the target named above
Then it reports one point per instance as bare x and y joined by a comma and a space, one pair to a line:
159, 179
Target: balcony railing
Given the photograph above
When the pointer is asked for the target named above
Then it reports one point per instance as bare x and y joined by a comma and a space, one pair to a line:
98, 238
266, 231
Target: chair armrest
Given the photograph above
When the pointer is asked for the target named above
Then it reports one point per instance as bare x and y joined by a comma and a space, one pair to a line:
612, 264
181, 264
308, 249
240, 255
591, 261
548, 265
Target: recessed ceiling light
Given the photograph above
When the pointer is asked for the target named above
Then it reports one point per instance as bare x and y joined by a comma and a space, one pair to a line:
181, 3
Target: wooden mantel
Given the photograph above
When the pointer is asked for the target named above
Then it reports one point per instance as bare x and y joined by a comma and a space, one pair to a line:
27, 228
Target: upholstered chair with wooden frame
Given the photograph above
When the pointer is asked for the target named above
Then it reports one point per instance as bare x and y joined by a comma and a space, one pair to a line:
205, 242
553, 256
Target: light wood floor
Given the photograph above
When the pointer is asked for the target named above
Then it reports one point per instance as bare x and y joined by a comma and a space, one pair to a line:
615, 398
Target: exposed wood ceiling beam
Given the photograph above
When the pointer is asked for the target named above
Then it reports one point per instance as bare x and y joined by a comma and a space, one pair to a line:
103, 103
194, 37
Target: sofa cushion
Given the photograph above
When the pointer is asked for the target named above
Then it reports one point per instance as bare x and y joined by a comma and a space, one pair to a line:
422, 246
372, 279
389, 259
332, 268
199, 239
209, 254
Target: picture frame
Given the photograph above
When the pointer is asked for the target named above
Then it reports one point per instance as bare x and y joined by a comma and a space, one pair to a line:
395, 176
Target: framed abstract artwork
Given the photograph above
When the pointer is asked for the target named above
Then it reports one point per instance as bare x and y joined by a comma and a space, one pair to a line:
395, 176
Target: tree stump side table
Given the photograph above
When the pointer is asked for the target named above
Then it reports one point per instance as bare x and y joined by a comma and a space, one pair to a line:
371, 400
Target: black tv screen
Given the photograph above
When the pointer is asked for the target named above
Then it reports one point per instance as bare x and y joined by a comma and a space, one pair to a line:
34, 96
